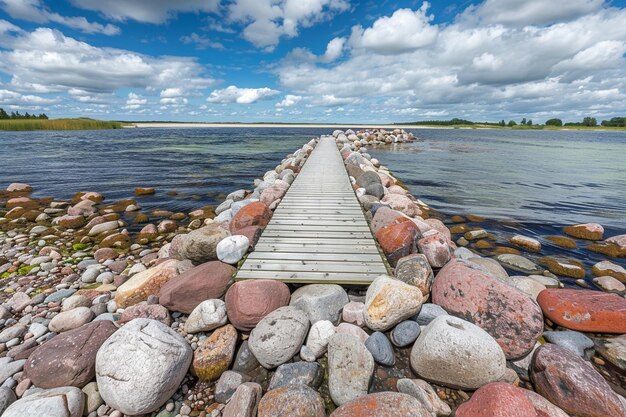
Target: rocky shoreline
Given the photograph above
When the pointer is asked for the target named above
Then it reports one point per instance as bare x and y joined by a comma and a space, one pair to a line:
98, 321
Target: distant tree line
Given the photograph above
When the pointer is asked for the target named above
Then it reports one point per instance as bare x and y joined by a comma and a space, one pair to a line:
17, 115
587, 121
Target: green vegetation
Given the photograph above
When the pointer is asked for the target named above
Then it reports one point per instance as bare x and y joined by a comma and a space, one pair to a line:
57, 124
618, 123
16, 115
615, 122
554, 122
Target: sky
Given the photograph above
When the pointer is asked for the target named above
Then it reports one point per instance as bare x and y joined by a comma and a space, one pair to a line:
334, 61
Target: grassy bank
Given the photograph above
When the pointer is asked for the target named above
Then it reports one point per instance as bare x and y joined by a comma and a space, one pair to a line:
57, 124
518, 127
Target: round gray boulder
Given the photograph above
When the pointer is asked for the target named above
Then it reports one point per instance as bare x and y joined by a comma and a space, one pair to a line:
320, 301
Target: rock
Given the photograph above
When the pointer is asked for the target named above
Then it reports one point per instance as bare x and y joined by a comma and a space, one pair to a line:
497, 399
292, 401
203, 282
587, 231
305, 373
609, 284
573, 384
151, 311
380, 348
415, 270
279, 336
245, 361
227, 385
10, 368
200, 245
609, 268
68, 359
215, 354
253, 233
584, 310
18, 187
456, 353
253, 214
141, 366
425, 394
382, 404
7, 397
354, 313
247, 302
488, 266
402, 203
389, 301
518, 263
319, 336
544, 407
351, 329
405, 333
320, 301
71, 319
527, 243
15, 331
93, 399
103, 227
428, 313
549, 282
142, 191
436, 249
75, 301
143, 284
56, 402
208, 315
613, 350
272, 194
372, 184
398, 240
231, 249
385, 216
350, 368
564, 267
527, 285
70, 222
244, 402
507, 314
573, 341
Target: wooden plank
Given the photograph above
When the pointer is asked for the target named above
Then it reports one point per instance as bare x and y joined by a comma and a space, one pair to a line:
331, 257
304, 248
282, 266
295, 276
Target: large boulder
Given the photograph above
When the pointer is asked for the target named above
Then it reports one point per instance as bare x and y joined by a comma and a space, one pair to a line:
435, 247
388, 301
320, 301
572, 384
402, 203
457, 353
214, 355
68, 359
247, 302
55, 402
415, 270
398, 240
253, 214
584, 310
386, 216
141, 366
498, 399
382, 404
203, 282
507, 314
350, 368
146, 283
372, 184
296, 400
200, 245
279, 336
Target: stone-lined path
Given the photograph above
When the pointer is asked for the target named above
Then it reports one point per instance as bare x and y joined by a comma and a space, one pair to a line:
318, 233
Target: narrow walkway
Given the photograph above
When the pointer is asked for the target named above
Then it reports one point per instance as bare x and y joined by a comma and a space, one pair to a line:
318, 233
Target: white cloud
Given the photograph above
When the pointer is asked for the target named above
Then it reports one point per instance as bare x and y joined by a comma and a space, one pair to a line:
288, 101
35, 11
405, 30
268, 20
201, 41
233, 94
171, 92
135, 101
46, 60
148, 11
334, 49
13, 98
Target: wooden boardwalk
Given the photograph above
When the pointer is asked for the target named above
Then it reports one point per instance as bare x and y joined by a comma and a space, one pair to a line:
318, 233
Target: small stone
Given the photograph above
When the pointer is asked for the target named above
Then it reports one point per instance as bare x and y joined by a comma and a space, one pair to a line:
247, 302
588, 231
93, 398
320, 301
7, 397
415, 270
398, 240
56, 402
306, 373
564, 267
350, 368
428, 313
613, 350
319, 336
527, 243
436, 249
71, 319
151, 311
244, 401
354, 313
380, 348
497, 399
609, 268
389, 301
422, 391
382, 404
609, 284
245, 362
214, 355
573, 341
405, 333
518, 263
227, 385
149, 282
527, 285
292, 401
351, 329
209, 315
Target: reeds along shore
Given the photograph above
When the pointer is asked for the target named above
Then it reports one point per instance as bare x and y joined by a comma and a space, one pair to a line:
57, 124
95, 320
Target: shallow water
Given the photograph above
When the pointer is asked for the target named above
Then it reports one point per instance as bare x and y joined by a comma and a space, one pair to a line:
528, 182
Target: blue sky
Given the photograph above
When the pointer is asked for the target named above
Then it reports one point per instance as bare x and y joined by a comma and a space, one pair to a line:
314, 60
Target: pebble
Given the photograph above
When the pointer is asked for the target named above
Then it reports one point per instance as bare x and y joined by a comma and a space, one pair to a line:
405, 333
381, 349
573, 341
422, 391
227, 385
306, 373
71, 319
319, 335
428, 313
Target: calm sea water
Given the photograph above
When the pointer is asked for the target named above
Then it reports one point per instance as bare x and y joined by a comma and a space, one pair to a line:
530, 182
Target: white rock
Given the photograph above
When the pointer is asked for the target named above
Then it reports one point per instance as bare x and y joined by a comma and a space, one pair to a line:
141, 366
71, 319
319, 336
55, 402
224, 216
350, 368
230, 250
103, 227
456, 353
208, 315
389, 301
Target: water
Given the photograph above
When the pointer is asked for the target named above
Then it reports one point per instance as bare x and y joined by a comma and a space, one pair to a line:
528, 182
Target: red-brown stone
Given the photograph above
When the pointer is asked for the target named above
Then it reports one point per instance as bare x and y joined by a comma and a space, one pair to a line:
507, 314
584, 310
398, 240
572, 384
382, 404
247, 302
253, 214
253, 233
385, 216
497, 399
149, 311
203, 282
436, 249
23, 202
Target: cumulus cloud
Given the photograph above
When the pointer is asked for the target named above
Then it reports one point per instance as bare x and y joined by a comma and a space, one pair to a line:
147, 11
135, 101
15, 99
35, 11
233, 94
268, 20
405, 30
289, 100
334, 49
45, 60
201, 41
